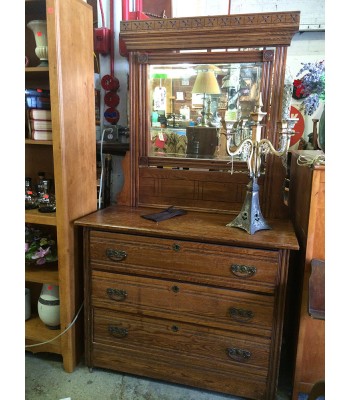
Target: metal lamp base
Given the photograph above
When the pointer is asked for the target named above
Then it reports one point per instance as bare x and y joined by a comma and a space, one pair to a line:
250, 218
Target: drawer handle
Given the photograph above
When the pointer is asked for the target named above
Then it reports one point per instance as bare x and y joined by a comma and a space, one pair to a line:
116, 255
239, 314
243, 271
240, 355
117, 331
117, 294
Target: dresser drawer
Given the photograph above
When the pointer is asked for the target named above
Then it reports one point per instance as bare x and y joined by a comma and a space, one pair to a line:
208, 306
171, 339
227, 266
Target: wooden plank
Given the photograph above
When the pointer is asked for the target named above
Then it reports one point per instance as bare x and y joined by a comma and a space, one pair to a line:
74, 151
37, 332
42, 274
205, 227
36, 217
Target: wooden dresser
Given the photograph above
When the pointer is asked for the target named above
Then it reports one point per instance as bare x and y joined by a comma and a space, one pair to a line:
190, 300
186, 300
307, 207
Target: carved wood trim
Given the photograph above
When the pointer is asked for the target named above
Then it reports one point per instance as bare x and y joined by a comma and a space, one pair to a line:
216, 57
237, 30
204, 164
193, 190
275, 172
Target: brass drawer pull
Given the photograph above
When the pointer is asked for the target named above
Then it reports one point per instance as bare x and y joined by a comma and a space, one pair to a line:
240, 355
241, 315
117, 331
243, 271
116, 255
117, 294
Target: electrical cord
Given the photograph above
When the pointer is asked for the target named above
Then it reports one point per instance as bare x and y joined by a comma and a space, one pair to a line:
62, 333
102, 166
102, 171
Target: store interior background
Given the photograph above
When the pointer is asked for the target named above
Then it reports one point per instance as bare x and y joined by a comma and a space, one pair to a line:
307, 46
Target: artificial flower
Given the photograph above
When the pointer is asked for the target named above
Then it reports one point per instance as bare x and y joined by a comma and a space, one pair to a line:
311, 86
39, 247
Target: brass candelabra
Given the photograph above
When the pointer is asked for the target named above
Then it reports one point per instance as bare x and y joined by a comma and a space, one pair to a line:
252, 150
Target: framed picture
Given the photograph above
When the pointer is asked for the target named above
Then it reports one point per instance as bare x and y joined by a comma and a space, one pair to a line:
180, 96
197, 100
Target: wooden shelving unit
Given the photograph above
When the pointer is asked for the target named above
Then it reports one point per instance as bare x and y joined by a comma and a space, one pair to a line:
69, 159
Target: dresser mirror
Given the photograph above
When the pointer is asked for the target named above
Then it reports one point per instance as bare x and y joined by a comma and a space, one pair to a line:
196, 102
192, 105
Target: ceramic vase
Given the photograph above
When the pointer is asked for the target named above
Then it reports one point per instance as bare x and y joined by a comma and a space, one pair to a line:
321, 131
38, 27
49, 306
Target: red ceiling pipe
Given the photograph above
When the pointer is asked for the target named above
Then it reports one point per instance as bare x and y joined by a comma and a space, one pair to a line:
112, 35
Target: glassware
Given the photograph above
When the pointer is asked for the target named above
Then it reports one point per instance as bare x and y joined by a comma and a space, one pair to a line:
30, 195
46, 198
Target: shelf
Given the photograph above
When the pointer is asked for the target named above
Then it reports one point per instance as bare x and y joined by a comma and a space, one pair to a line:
37, 332
44, 142
35, 217
42, 274
37, 69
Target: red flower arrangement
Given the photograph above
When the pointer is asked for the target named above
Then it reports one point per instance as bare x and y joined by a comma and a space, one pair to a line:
311, 86
298, 89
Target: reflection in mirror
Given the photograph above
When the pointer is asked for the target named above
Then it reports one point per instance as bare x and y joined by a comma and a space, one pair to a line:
194, 107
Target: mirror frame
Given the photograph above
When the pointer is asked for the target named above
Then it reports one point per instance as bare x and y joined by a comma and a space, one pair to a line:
194, 40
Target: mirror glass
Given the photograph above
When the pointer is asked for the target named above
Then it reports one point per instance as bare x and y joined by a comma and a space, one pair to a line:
191, 105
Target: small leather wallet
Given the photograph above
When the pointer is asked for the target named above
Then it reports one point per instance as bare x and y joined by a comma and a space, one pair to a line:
166, 214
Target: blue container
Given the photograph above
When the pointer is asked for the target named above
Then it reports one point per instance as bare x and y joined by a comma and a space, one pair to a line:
38, 98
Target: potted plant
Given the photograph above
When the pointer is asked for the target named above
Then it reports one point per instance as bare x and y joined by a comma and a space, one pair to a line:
40, 248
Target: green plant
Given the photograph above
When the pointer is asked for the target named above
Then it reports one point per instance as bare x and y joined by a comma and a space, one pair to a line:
39, 248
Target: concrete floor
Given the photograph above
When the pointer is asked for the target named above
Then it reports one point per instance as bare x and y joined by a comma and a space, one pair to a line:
45, 379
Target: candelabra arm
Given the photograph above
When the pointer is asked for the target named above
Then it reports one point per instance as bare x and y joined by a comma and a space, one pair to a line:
265, 146
245, 148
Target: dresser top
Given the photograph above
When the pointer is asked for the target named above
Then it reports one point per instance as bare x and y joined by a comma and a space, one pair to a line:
198, 226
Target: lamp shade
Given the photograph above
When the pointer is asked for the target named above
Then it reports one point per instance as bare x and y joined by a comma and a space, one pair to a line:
206, 83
